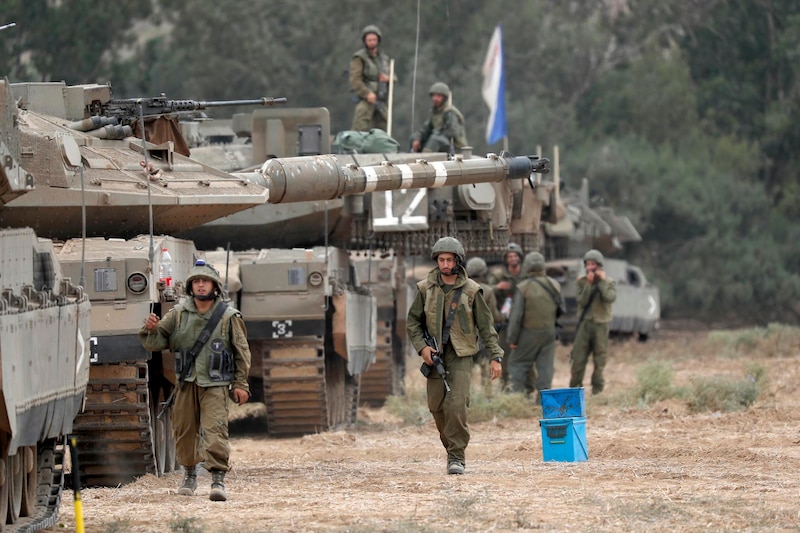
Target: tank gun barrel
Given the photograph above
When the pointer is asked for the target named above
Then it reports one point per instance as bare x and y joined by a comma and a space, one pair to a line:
300, 179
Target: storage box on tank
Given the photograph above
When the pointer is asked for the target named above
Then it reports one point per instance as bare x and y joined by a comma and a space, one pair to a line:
564, 439
563, 403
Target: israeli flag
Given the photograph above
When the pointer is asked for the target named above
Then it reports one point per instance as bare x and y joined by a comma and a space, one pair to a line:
494, 88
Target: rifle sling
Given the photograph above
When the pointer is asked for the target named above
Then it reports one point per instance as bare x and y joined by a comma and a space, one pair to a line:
450, 317
585, 310
552, 293
202, 339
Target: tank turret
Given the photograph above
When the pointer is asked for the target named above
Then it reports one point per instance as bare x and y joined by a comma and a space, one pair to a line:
403, 203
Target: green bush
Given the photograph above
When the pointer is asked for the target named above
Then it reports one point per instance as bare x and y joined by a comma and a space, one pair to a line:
654, 382
722, 394
775, 340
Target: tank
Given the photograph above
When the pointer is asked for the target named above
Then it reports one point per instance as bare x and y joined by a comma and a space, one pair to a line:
44, 353
90, 173
89, 169
382, 229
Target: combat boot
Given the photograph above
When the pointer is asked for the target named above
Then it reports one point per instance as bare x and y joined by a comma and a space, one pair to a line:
189, 481
217, 486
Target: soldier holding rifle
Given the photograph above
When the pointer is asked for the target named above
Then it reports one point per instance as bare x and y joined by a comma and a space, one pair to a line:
450, 308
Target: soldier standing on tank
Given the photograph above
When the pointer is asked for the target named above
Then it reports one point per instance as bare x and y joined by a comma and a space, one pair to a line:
596, 291
444, 130
504, 279
531, 332
369, 80
477, 270
451, 308
200, 412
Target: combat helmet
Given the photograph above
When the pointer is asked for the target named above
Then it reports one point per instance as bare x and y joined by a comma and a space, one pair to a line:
516, 248
201, 269
476, 267
593, 255
534, 262
371, 28
440, 87
448, 244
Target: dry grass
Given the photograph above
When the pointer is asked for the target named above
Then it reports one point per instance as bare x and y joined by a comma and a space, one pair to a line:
652, 467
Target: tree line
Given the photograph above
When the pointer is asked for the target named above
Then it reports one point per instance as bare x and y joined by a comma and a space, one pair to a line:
682, 113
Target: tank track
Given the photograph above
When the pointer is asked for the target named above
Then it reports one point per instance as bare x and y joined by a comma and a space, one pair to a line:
114, 433
305, 390
380, 379
50, 482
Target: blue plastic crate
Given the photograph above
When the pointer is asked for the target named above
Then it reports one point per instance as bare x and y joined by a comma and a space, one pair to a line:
564, 439
563, 403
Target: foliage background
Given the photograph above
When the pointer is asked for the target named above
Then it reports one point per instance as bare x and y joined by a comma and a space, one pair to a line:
682, 113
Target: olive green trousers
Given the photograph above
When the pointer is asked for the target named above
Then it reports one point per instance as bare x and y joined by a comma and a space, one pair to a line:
200, 424
449, 409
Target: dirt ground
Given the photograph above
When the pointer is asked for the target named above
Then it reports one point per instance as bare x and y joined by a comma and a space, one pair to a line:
651, 467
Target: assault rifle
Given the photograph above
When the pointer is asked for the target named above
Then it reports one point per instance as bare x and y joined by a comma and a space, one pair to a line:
438, 364
126, 110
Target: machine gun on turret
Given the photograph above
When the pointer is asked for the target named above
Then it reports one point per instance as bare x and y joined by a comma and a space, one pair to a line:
126, 110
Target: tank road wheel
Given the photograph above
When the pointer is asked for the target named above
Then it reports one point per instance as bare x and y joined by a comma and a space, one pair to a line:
29, 480
14, 481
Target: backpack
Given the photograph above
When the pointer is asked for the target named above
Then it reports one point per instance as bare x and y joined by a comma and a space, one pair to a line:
374, 141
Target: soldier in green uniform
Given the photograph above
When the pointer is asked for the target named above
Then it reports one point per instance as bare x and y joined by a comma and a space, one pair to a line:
596, 291
200, 412
444, 128
448, 297
477, 270
369, 80
531, 332
504, 279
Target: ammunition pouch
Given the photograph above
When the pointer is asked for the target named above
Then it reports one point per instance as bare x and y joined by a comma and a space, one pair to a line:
220, 366
383, 91
180, 362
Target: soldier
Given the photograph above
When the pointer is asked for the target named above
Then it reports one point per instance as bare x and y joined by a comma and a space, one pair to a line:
531, 330
445, 128
477, 270
450, 307
596, 291
369, 79
504, 279
200, 413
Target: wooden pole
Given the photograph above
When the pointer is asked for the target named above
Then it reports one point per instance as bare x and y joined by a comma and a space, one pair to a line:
391, 96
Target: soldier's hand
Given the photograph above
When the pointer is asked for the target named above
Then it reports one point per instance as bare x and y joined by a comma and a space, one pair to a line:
383, 77
504, 285
495, 370
240, 396
415, 146
427, 355
601, 274
372, 98
151, 322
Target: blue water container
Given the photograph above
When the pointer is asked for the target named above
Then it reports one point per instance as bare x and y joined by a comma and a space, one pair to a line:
563, 403
564, 439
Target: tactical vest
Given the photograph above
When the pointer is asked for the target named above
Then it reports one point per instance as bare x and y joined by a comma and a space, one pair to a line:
189, 325
372, 68
540, 309
463, 332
